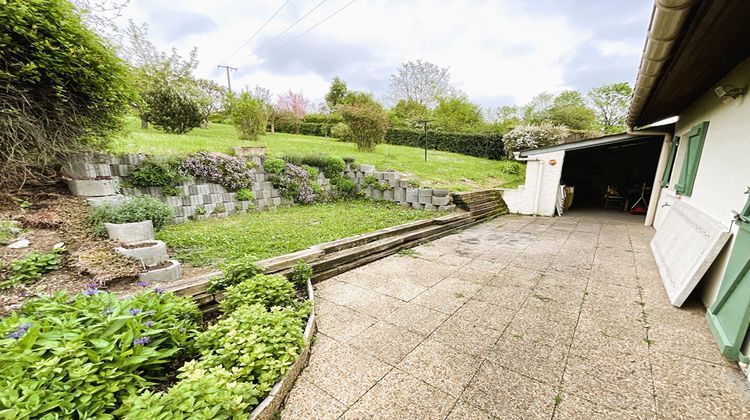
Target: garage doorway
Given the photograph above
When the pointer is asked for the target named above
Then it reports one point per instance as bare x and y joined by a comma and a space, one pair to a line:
621, 172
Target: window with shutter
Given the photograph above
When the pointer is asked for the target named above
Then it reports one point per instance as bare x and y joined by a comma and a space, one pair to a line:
693, 141
670, 162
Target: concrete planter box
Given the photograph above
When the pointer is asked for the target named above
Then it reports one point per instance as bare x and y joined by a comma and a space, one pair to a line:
130, 232
150, 254
163, 275
245, 151
92, 187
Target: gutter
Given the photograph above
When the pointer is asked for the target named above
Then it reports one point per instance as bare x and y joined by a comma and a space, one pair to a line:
538, 192
667, 24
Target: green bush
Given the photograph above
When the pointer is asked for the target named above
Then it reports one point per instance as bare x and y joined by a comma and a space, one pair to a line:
269, 291
368, 123
301, 273
63, 89
31, 267
486, 145
255, 344
201, 393
81, 356
171, 111
136, 209
345, 188
156, 173
342, 132
331, 166
512, 168
244, 194
249, 115
235, 272
371, 181
273, 166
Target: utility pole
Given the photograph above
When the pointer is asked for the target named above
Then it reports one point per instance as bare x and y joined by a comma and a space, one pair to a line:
424, 125
229, 81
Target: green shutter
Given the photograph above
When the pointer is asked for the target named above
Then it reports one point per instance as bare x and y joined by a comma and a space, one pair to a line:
670, 162
693, 149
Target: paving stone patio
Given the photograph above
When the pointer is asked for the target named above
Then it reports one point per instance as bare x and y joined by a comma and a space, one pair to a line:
519, 317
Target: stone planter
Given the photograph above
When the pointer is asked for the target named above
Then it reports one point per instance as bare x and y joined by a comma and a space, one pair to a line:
130, 232
172, 272
245, 151
92, 187
150, 254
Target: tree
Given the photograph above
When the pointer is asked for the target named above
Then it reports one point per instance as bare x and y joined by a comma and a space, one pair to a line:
63, 89
368, 123
406, 113
294, 103
336, 93
537, 110
508, 117
172, 110
458, 114
209, 96
421, 82
249, 115
525, 137
100, 16
569, 109
611, 103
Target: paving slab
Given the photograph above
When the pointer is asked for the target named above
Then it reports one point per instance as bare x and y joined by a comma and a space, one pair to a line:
518, 317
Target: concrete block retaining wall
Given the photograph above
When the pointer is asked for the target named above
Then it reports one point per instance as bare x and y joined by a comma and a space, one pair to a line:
99, 177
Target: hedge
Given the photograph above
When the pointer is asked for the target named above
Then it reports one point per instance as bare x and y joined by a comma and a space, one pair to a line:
311, 125
486, 145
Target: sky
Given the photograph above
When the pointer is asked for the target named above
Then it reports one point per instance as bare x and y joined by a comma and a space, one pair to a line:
499, 52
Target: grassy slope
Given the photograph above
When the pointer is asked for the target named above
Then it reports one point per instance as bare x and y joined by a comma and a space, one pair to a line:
442, 169
270, 233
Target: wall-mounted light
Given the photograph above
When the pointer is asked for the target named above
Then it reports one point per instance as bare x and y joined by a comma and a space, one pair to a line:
729, 92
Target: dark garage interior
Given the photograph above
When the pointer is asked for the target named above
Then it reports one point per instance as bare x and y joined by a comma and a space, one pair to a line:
622, 167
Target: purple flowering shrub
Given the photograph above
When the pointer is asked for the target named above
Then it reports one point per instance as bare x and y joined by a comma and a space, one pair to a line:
230, 171
80, 356
295, 184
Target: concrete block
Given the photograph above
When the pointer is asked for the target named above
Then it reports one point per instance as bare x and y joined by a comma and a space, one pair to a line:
179, 219
230, 206
273, 193
430, 207
412, 195
268, 185
425, 199
173, 200
216, 189
440, 192
92, 188
183, 189
425, 192
405, 205
110, 200
377, 194
399, 194
120, 170
228, 196
262, 203
391, 177
449, 207
417, 206
351, 175
276, 201
216, 198
404, 183
210, 208
130, 232
199, 189
367, 168
441, 201
378, 175
245, 205
368, 191
79, 166
154, 191
170, 273
260, 178
192, 200
388, 195
149, 253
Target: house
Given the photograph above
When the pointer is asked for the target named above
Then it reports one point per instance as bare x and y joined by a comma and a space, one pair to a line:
694, 72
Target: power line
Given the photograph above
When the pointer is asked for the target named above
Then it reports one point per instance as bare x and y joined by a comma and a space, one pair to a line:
305, 32
256, 32
255, 51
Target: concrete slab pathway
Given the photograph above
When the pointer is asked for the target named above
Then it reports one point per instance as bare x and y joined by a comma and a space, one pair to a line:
520, 317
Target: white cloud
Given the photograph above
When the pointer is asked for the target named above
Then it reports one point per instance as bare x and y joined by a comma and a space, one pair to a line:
498, 51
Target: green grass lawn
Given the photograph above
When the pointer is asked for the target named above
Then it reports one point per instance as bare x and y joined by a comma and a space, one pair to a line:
442, 169
266, 234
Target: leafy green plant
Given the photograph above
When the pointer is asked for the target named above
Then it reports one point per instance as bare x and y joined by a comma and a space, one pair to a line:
244, 194
345, 188
171, 110
170, 191
136, 209
342, 132
414, 183
232, 172
157, 173
368, 123
311, 170
249, 115
333, 166
261, 289
371, 181
512, 168
220, 208
301, 273
235, 272
274, 166
31, 267
200, 211
80, 356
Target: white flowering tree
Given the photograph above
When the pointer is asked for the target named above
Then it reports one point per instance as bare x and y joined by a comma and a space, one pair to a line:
525, 137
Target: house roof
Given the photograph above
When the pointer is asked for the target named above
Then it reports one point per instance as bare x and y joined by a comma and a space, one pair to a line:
612, 139
691, 45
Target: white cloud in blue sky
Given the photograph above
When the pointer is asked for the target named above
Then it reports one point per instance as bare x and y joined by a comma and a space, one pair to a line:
498, 52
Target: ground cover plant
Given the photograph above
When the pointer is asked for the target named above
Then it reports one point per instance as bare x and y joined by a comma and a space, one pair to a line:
232, 172
276, 232
29, 268
137, 209
442, 169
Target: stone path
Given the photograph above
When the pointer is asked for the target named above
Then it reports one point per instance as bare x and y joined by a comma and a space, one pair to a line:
516, 318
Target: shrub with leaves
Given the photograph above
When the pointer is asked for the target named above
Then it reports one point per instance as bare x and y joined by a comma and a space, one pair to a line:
374, 183
301, 273
30, 268
249, 115
171, 110
136, 209
294, 183
345, 188
235, 272
269, 291
342, 132
156, 173
368, 123
230, 171
525, 137
244, 194
274, 166
80, 356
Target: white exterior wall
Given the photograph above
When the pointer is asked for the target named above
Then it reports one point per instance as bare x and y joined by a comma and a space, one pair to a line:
724, 169
523, 200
